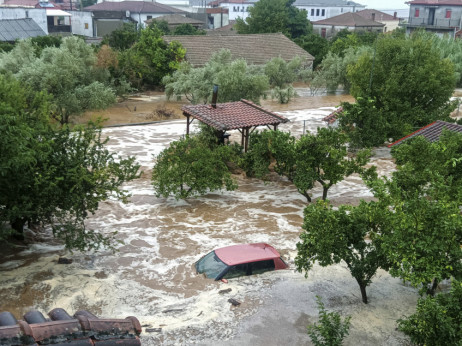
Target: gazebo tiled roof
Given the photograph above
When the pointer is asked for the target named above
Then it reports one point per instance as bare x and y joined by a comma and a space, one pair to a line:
431, 132
234, 115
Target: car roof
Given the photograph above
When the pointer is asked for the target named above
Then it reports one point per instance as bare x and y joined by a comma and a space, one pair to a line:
246, 253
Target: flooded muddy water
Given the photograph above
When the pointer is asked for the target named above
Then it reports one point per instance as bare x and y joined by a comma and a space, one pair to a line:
152, 275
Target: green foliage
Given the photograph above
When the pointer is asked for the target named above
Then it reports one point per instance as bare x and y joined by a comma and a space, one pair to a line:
270, 16
42, 42
6, 47
333, 235
331, 330
68, 73
187, 29
438, 320
320, 158
346, 39
371, 127
150, 58
236, 79
54, 176
314, 44
190, 167
124, 37
424, 193
86, 3
162, 25
407, 94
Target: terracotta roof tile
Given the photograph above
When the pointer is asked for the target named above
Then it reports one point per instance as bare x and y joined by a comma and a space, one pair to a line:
134, 6
174, 19
332, 117
233, 115
256, 49
348, 19
431, 132
379, 16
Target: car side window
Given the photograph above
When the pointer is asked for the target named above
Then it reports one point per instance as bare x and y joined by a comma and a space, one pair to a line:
262, 266
237, 270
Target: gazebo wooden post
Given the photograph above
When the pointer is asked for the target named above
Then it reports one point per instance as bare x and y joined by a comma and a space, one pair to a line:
275, 127
242, 137
246, 145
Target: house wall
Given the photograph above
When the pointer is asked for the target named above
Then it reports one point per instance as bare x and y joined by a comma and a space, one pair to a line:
39, 15
218, 19
331, 30
237, 10
82, 23
141, 18
435, 16
390, 25
320, 12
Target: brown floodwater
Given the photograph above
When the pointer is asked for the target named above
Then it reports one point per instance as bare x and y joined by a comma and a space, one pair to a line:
151, 276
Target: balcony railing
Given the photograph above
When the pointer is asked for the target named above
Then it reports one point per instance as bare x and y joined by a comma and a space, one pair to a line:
436, 23
59, 28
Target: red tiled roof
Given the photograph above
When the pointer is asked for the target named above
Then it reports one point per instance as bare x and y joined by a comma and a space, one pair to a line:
332, 117
436, 2
431, 132
378, 16
348, 19
216, 10
134, 6
233, 115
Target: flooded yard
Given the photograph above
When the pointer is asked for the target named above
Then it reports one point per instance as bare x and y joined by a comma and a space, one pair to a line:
152, 275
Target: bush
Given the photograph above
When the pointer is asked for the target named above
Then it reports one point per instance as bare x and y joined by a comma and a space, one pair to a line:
331, 330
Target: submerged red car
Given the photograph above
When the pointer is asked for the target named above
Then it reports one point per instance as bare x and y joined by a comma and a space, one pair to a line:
240, 260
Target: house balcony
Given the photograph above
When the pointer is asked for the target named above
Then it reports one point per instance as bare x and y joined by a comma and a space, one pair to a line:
435, 24
53, 29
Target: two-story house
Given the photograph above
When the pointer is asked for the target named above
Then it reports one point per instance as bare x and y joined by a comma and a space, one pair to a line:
438, 16
323, 9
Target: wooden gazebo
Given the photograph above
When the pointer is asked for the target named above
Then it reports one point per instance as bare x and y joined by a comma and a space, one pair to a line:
242, 115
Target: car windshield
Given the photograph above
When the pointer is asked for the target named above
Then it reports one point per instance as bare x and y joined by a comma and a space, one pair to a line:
210, 265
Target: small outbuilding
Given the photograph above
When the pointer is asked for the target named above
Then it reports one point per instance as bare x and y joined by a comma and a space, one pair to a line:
431, 132
244, 116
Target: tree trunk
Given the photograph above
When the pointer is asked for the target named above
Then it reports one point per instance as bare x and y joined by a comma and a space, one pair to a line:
18, 226
431, 290
324, 193
363, 292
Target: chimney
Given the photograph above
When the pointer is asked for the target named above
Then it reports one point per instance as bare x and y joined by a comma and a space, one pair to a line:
215, 96
395, 14
373, 17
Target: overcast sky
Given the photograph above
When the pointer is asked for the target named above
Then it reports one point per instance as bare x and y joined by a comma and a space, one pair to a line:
383, 4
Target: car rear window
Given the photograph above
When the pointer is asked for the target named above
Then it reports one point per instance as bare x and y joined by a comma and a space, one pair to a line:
210, 265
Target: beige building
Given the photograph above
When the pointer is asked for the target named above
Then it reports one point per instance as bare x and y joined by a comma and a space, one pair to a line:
391, 22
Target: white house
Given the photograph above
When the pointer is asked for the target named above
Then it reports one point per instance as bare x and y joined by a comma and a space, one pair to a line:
323, 9
236, 8
39, 15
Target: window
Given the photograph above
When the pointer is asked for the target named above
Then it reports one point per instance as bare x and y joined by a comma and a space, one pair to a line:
86, 25
238, 270
262, 266
234, 8
323, 12
417, 12
317, 12
312, 12
323, 32
341, 10
148, 17
448, 13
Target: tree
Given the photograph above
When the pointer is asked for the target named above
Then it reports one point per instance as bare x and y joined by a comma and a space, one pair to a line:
314, 44
54, 176
331, 330
282, 74
187, 29
321, 158
150, 58
236, 79
270, 16
438, 320
69, 73
189, 167
124, 37
330, 236
408, 81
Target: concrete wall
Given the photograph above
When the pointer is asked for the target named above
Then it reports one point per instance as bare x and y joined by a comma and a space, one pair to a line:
141, 18
82, 23
37, 14
439, 17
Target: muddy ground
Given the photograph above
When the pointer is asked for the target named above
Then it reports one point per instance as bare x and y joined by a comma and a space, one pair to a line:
152, 277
